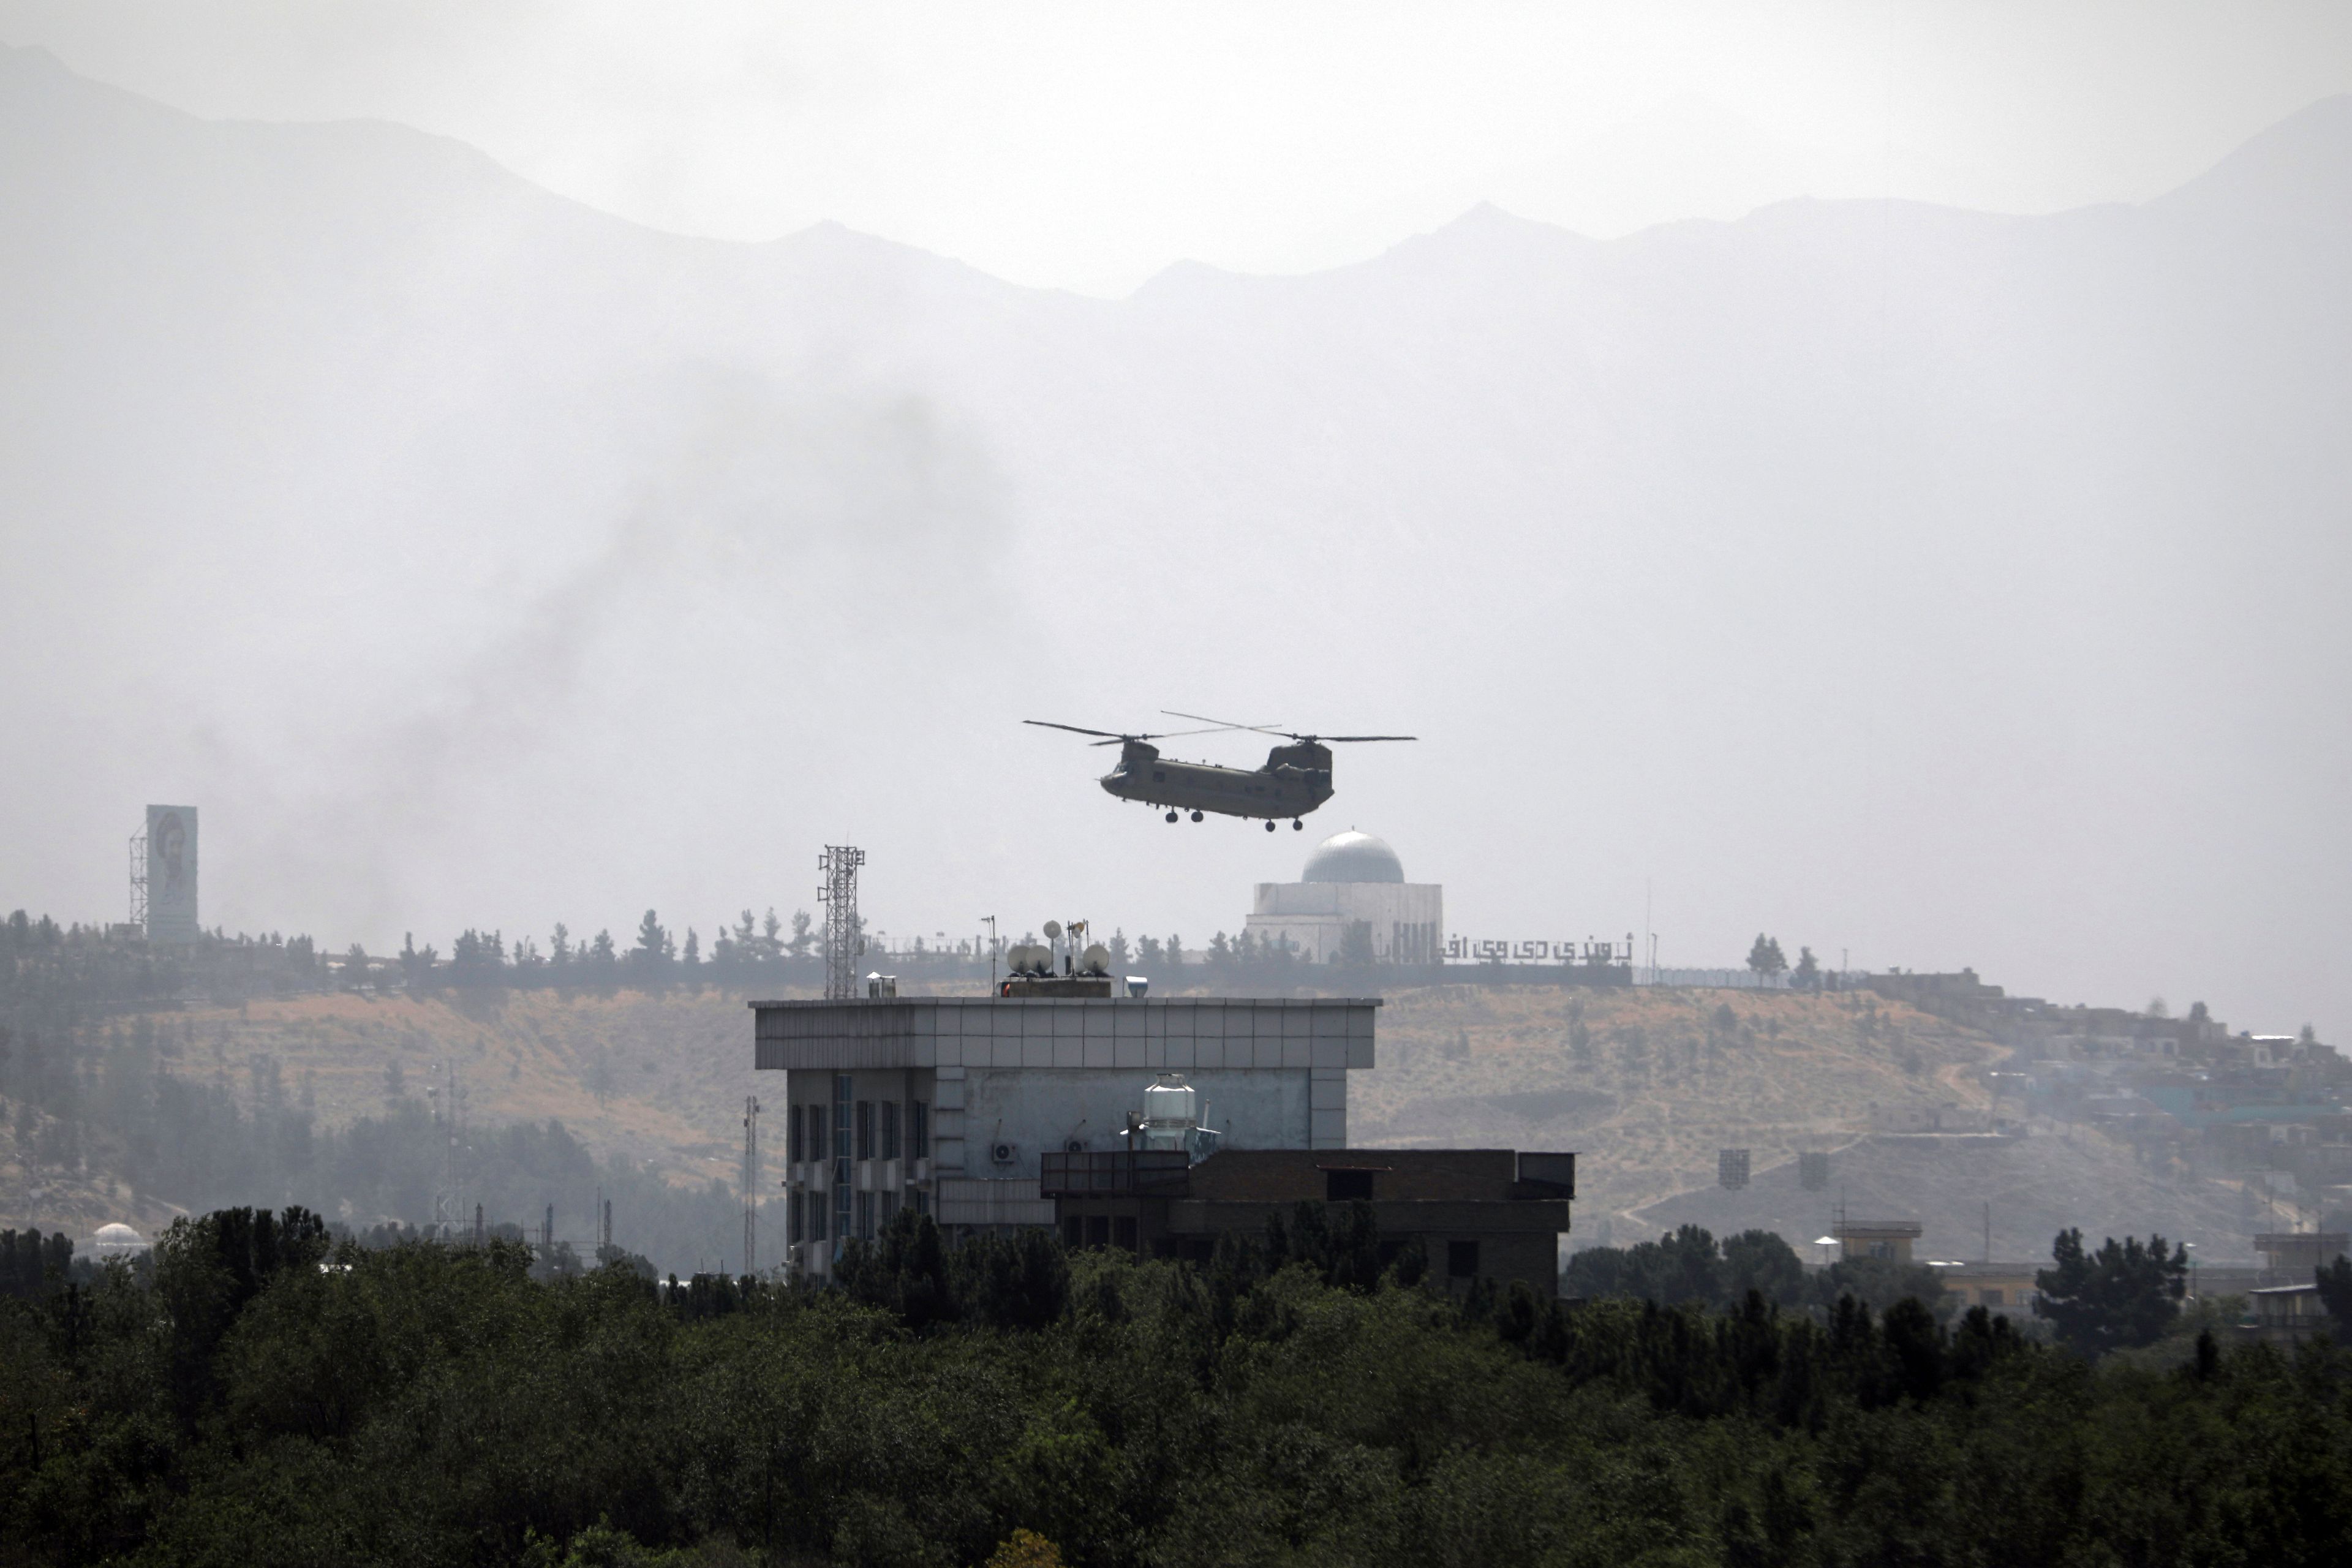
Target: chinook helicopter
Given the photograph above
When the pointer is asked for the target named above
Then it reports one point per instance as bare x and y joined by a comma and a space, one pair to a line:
1296, 779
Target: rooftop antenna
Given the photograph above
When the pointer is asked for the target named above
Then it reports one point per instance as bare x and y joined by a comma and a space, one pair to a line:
1650, 923
751, 1184
838, 894
989, 920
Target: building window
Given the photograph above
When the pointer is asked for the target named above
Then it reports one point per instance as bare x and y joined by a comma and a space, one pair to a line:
1348, 1187
866, 1129
1074, 1231
1123, 1231
792, 1135
889, 1208
795, 1217
1989, 1298
816, 1216
813, 1149
918, 1130
866, 1217
1461, 1261
922, 1200
841, 1223
841, 1113
889, 1129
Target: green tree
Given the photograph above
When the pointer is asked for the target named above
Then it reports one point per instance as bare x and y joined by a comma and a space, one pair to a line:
1807, 975
2123, 1295
1765, 957
1356, 946
2334, 1282
1760, 1260
649, 960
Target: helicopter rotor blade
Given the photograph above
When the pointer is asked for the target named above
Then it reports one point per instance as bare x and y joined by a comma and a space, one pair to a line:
1223, 723
1362, 737
1073, 729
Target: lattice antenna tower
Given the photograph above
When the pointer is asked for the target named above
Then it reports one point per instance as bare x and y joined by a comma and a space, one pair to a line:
139, 880
752, 1184
838, 894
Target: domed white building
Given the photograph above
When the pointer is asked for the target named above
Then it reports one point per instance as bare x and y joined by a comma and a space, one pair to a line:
118, 1240
1353, 879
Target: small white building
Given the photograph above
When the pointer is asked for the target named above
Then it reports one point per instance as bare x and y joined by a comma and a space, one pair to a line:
1353, 879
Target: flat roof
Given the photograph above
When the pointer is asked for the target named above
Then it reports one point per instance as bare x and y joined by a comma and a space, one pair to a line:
1073, 1001
1183, 1034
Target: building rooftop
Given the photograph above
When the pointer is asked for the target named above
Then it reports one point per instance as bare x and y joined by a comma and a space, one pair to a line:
1352, 857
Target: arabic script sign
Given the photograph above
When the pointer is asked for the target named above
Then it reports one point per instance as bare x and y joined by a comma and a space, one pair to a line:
1468, 950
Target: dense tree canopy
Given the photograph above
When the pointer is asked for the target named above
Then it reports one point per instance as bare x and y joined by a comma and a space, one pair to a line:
2123, 1294
268, 1398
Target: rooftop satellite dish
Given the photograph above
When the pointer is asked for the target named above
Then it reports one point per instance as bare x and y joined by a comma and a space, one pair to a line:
1053, 929
1097, 960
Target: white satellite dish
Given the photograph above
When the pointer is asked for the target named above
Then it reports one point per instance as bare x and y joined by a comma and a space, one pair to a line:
1053, 929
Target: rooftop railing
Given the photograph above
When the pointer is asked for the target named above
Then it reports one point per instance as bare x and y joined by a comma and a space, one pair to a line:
1114, 1174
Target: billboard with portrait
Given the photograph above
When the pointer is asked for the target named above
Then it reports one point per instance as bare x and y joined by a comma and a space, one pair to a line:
172, 874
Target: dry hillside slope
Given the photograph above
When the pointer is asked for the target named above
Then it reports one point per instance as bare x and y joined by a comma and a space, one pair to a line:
1648, 1084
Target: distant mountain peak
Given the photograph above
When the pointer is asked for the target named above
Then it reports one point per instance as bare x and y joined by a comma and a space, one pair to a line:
2298, 172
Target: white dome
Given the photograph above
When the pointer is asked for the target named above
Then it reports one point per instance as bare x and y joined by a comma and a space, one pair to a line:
118, 1237
1353, 857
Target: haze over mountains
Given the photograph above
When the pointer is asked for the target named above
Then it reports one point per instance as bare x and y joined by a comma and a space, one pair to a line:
1946, 587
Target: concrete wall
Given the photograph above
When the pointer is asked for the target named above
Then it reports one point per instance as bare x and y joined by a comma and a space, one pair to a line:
1037, 1110
1420, 1174
1181, 1034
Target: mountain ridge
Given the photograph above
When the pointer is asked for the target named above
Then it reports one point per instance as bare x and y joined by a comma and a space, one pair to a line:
476, 558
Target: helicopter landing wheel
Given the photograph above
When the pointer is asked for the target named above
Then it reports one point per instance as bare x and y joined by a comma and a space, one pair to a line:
1296, 826
1171, 817
1269, 827
1196, 816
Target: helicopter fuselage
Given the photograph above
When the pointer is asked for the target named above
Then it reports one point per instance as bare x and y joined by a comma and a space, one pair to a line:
1295, 780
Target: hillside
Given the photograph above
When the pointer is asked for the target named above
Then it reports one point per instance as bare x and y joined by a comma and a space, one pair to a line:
1663, 1078
1646, 1085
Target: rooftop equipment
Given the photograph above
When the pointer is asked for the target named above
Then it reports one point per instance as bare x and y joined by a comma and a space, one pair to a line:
1173, 1118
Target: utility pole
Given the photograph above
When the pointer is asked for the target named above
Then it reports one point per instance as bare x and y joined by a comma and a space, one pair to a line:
990, 921
751, 1184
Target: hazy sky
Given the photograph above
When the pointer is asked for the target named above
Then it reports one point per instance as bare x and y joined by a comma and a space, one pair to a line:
1089, 145
1961, 590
